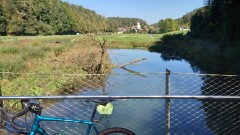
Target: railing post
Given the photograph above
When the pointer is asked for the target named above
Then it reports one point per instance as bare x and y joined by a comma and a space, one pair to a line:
167, 103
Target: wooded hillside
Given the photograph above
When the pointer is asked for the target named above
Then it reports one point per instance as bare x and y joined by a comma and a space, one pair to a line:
49, 17
45, 17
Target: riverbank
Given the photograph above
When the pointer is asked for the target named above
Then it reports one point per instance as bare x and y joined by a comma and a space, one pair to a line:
204, 55
50, 58
138, 41
45, 65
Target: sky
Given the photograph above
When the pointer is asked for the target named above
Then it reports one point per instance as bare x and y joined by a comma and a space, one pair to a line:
149, 10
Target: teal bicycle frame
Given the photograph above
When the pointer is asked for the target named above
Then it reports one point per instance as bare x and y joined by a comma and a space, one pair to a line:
37, 129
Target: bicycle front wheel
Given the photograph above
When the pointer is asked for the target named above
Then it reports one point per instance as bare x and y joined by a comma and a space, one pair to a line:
116, 131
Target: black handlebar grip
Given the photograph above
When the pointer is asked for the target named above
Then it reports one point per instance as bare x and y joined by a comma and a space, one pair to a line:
23, 112
12, 117
6, 113
12, 122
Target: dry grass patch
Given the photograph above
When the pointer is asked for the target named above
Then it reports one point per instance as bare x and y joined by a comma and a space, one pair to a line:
86, 59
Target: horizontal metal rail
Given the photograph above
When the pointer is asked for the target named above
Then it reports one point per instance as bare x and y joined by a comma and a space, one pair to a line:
121, 97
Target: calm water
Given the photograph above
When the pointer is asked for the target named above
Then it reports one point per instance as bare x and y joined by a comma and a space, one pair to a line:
150, 114
145, 117
154, 63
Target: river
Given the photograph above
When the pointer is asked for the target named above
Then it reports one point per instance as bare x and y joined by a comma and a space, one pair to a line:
143, 116
187, 117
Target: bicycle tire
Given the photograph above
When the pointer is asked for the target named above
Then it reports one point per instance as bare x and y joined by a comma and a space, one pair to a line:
123, 131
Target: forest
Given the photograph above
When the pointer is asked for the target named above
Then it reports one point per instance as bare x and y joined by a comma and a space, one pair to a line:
218, 21
169, 24
213, 43
44, 17
55, 17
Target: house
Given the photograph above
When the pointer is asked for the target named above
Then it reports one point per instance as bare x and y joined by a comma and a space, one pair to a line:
183, 28
136, 28
121, 30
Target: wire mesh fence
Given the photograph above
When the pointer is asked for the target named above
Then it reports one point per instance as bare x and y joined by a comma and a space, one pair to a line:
146, 114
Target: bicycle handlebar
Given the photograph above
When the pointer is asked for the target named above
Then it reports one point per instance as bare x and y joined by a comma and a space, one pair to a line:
12, 117
28, 105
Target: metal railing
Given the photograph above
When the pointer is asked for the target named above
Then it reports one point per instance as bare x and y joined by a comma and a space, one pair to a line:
157, 103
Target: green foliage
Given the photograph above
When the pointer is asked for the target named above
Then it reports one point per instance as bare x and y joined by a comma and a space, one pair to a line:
10, 49
33, 52
42, 62
167, 25
34, 85
199, 22
14, 66
45, 17
220, 21
2, 22
185, 20
136, 40
204, 56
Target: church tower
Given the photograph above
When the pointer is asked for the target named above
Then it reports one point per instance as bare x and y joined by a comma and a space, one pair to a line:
138, 26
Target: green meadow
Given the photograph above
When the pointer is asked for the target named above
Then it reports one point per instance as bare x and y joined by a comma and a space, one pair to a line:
49, 58
39, 65
142, 41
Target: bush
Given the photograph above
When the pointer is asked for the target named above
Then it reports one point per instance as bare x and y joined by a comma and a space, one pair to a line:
172, 39
31, 52
58, 50
14, 66
10, 49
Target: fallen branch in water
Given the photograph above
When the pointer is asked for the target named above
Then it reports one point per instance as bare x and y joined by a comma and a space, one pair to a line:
132, 62
133, 72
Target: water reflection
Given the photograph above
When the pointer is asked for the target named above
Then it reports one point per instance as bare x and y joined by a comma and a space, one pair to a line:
222, 117
147, 117
152, 112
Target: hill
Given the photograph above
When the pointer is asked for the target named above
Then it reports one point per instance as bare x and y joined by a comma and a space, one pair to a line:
45, 17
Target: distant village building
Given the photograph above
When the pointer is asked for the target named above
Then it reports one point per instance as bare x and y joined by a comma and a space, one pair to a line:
136, 28
121, 30
183, 28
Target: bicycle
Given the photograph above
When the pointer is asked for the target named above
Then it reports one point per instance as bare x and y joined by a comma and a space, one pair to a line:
34, 107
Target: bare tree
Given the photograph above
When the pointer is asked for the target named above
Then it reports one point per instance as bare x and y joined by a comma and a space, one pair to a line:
97, 33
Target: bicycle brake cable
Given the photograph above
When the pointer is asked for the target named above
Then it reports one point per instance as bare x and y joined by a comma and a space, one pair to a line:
27, 122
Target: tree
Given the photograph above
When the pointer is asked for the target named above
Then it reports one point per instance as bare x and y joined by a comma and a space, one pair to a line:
14, 25
2, 21
167, 25
44, 17
199, 22
219, 20
30, 22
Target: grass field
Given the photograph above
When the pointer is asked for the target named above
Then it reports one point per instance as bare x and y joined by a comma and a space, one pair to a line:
56, 56
114, 40
136, 40
50, 58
